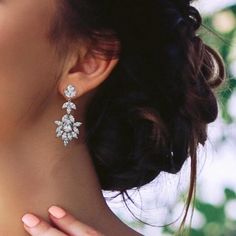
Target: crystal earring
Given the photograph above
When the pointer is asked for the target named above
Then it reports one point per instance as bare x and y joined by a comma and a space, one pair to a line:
67, 128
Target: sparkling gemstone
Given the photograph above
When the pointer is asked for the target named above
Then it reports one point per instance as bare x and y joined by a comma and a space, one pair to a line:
70, 137
58, 128
68, 110
69, 106
70, 91
58, 122
67, 122
66, 142
76, 130
72, 119
64, 136
72, 105
77, 124
59, 133
67, 128
65, 117
74, 135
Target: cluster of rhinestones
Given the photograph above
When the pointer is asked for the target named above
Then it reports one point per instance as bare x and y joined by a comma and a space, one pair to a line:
67, 128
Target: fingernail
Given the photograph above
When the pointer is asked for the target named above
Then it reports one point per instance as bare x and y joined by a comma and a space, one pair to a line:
30, 220
57, 212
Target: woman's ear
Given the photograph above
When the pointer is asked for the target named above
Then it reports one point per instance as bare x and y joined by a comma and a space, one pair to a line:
86, 71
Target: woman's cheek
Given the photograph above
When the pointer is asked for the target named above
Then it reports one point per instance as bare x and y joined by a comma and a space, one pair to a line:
27, 62
24, 48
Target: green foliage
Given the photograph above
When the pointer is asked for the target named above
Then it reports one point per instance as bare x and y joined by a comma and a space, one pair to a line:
217, 222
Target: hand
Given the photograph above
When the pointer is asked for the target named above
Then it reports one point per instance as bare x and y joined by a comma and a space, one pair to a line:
67, 225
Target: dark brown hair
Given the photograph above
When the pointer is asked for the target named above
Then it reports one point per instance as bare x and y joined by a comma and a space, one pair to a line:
152, 112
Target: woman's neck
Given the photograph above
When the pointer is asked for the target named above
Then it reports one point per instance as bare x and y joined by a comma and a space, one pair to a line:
35, 174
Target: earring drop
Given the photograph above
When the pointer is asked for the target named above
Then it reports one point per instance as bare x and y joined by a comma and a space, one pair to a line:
67, 128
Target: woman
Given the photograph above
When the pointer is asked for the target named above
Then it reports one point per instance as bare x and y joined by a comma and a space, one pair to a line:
142, 81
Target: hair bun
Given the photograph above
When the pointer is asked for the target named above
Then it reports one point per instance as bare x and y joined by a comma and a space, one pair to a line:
152, 112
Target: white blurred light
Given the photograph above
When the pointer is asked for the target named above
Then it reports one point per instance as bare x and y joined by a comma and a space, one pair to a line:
232, 104
224, 21
232, 67
207, 7
230, 209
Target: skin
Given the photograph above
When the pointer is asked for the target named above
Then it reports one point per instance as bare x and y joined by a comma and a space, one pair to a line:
36, 170
66, 224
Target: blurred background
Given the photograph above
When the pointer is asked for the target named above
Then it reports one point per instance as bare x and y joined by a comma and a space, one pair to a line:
161, 201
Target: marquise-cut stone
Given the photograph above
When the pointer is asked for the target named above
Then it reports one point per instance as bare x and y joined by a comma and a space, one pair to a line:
59, 133
57, 122
74, 135
70, 137
76, 130
69, 105
58, 128
72, 105
65, 105
66, 142
77, 124
64, 136
72, 118
65, 117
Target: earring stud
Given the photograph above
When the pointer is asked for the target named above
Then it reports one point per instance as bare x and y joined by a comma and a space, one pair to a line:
68, 128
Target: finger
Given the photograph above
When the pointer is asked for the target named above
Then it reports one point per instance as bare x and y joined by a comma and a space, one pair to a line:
69, 224
36, 226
